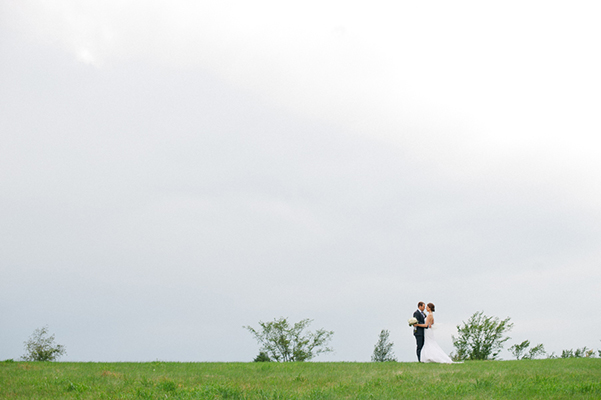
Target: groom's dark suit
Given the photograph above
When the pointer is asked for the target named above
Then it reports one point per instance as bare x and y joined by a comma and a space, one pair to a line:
418, 332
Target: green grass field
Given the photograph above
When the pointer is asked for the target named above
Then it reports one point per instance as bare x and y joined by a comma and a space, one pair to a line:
527, 379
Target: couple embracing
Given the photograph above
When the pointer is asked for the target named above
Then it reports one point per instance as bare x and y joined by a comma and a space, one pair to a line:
427, 348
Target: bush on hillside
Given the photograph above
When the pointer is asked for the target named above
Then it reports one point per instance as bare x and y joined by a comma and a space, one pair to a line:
282, 341
383, 348
583, 352
41, 347
262, 357
481, 337
519, 351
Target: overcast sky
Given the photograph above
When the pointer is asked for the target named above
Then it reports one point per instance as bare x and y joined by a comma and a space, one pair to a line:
171, 171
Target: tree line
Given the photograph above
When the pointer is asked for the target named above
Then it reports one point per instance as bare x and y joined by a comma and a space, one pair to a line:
481, 337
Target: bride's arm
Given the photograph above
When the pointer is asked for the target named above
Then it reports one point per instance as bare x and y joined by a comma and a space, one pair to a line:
429, 322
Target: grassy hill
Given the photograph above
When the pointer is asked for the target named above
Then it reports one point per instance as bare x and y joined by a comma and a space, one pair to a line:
532, 379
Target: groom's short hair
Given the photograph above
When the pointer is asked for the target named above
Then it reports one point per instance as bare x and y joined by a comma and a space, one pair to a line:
421, 303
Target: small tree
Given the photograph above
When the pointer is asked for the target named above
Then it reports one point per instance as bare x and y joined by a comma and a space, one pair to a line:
578, 353
567, 353
282, 341
519, 351
41, 347
538, 350
383, 348
481, 337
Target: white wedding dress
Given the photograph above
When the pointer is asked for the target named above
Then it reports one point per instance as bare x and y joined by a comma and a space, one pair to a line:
431, 352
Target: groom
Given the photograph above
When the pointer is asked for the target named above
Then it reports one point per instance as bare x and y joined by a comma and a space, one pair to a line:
418, 331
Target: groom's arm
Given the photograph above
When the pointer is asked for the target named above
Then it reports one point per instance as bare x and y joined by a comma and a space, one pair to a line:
420, 319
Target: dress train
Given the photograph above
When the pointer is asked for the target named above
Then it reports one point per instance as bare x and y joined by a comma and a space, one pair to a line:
432, 352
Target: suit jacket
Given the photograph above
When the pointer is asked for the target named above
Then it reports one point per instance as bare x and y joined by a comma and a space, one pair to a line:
419, 331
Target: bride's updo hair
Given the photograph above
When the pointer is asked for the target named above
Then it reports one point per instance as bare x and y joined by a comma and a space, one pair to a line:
431, 307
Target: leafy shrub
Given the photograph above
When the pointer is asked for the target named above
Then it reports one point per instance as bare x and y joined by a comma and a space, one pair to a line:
282, 341
578, 353
262, 357
41, 347
383, 348
538, 350
518, 350
567, 353
481, 337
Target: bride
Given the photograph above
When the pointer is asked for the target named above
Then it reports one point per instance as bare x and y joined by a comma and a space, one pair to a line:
431, 352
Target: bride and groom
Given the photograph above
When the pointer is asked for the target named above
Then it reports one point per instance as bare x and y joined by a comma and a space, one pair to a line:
427, 348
